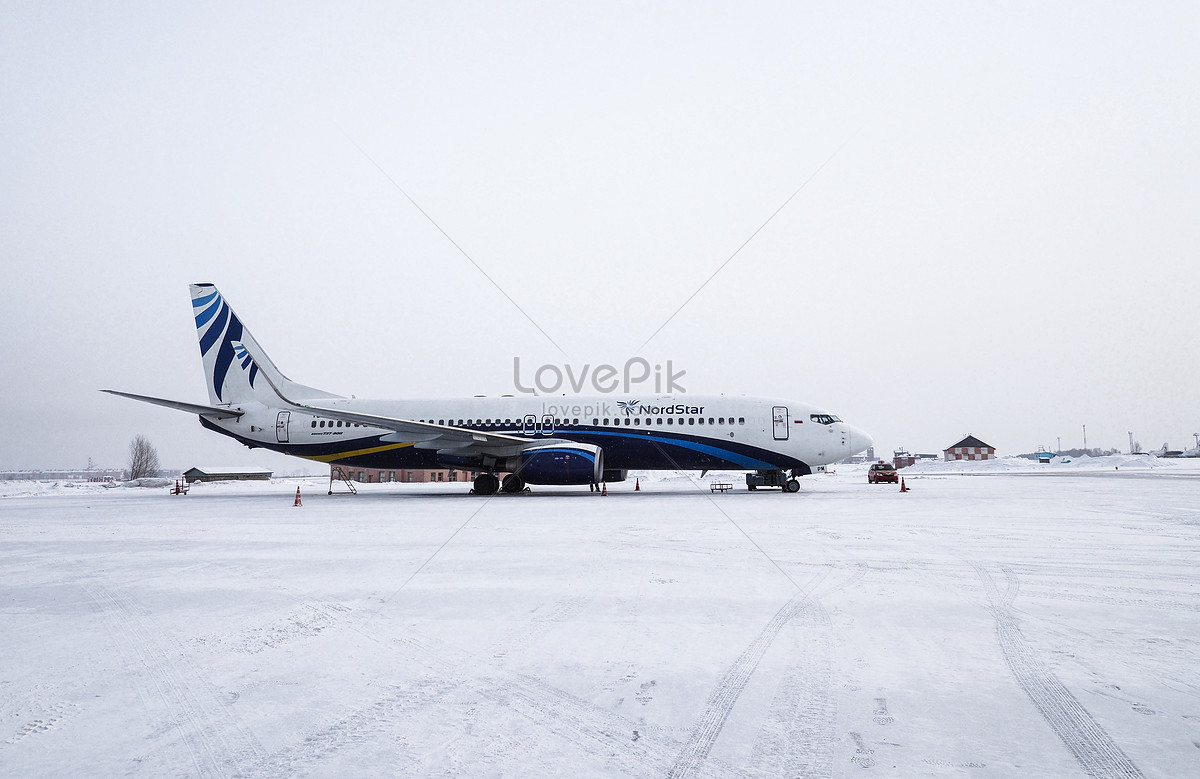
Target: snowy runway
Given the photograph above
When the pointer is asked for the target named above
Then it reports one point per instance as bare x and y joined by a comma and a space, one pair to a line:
987, 625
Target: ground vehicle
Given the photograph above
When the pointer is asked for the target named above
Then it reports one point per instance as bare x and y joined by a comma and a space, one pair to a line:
882, 472
771, 479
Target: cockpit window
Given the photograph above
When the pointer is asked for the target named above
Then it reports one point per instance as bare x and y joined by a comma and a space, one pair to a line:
824, 419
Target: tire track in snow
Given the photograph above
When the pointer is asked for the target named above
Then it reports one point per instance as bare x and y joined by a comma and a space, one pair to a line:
720, 703
1095, 751
385, 716
215, 741
521, 636
601, 733
799, 736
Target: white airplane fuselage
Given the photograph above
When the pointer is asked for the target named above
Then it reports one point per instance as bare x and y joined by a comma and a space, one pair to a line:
663, 432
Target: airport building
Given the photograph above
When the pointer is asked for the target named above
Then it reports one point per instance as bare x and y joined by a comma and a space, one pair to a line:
970, 448
226, 473
407, 475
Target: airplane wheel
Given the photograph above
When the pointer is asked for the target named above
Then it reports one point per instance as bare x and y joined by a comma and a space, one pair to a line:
486, 484
792, 486
512, 484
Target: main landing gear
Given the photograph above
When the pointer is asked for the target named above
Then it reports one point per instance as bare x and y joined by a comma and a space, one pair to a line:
486, 484
490, 484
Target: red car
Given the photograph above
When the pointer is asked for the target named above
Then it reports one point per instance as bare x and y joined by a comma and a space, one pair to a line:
882, 472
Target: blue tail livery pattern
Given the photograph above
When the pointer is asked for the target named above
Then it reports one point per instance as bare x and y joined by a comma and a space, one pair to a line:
216, 323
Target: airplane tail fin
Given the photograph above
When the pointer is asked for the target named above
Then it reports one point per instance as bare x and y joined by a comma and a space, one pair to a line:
233, 360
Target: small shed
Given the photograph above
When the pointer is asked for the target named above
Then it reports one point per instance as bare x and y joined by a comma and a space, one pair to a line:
225, 473
970, 448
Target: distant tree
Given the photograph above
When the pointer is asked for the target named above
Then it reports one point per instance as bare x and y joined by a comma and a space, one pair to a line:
143, 457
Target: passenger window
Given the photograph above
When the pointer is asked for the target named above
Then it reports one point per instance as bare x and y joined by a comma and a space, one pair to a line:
691, 420
314, 423
606, 421
670, 420
702, 420
626, 421
595, 420
658, 421
637, 421
741, 420
710, 420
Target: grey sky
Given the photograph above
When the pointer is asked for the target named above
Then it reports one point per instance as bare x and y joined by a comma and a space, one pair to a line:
1006, 245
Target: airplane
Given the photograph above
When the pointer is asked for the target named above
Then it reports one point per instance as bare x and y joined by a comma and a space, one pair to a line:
568, 440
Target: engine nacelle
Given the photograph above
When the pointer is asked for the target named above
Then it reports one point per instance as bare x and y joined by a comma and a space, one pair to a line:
559, 464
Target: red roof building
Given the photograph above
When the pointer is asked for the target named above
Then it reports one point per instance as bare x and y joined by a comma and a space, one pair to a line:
970, 448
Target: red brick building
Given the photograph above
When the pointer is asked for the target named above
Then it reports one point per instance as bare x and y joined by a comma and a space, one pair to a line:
413, 475
970, 448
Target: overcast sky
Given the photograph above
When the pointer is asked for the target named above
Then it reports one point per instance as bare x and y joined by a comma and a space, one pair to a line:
1000, 237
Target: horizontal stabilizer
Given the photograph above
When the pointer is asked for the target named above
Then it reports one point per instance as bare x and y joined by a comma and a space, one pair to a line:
191, 408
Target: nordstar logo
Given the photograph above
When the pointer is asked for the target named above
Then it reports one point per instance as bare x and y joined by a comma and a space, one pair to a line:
601, 378
637, 407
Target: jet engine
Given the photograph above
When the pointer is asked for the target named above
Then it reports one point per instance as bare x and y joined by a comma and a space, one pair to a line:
558, 464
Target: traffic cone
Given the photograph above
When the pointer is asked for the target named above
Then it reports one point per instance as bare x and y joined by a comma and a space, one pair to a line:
297, 503
637, 484
604, 489
903, 486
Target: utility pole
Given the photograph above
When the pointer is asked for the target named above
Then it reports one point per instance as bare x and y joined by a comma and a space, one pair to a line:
1085, 439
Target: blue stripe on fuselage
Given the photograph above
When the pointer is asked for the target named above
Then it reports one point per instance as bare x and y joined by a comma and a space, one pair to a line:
712, 451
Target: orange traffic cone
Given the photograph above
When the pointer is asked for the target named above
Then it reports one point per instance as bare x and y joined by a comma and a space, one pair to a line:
297, 503
903, 486
637, 485
604, 489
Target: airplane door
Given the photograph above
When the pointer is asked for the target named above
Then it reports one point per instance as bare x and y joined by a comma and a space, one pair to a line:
529, 425
281, 426
779, 421
547, 425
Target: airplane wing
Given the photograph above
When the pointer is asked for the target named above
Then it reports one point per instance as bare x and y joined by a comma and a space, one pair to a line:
191, 408
445, 439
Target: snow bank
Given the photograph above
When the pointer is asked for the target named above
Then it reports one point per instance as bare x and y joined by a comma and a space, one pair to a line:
148, 482
1058, 464
25, 488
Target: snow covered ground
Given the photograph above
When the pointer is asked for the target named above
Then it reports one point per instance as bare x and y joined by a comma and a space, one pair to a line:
999, 619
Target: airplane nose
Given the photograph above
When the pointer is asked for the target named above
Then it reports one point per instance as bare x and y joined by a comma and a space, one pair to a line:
859, 440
